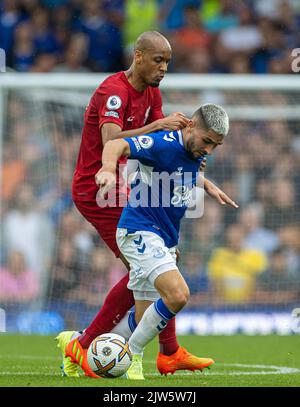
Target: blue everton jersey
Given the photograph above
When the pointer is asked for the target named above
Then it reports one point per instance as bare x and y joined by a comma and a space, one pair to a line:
161, 190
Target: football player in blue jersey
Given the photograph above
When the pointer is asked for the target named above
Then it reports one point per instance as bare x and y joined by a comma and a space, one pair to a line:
148, 231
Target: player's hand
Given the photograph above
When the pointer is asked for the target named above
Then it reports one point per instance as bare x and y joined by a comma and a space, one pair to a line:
174, 121
218, 194
203, 164
106, 180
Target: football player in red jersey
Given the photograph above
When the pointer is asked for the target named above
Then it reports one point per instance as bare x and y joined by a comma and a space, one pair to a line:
124, 105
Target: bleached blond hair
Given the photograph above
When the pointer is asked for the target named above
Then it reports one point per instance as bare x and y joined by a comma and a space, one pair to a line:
213, 117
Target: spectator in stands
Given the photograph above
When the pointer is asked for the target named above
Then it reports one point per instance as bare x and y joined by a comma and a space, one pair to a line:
207, 231
244, 37
101, 272
65, 271
13, 171
271, 48
55, 201
171, 13
239, 63
276, 286
290, 23
18, 283
24, 51
263, 163
29, 232
281, 64
44, 38
105, 50
62, 18
244, 178
233, 270
189, 39
257, 237
220, 56
289, 236
74, 230
32, 147
284, 210
194, 272
264, 193
197, 62
44, 63
295, 158
229, 217
75, 55
219, 15
140, 16
115, 11
266, 8
10, 17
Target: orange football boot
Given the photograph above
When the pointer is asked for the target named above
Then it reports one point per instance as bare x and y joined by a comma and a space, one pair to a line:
78, 355
181, 360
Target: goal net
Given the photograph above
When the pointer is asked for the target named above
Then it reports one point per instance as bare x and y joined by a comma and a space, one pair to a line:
242, 265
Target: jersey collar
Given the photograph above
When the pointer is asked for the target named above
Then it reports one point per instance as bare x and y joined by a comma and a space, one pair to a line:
180, 137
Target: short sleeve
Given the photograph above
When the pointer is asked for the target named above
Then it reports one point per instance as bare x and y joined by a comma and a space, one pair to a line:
156, 108
112, 104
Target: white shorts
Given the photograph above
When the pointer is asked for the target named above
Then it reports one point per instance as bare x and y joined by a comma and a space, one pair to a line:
148, 257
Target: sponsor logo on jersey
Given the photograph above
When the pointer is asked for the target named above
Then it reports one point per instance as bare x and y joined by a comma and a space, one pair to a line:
113, 102
145, 141
112, 114
130, 119
182, 196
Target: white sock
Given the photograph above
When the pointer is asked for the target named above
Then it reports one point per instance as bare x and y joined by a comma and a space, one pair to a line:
154, 320
126, 326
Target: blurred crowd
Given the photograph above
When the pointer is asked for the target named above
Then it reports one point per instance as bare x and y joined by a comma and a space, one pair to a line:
52, 257
207, 36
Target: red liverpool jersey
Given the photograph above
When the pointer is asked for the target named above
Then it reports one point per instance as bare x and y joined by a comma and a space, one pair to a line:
114, 101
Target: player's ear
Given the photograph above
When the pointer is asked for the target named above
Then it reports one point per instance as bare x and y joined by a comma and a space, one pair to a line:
138, 56
191, 124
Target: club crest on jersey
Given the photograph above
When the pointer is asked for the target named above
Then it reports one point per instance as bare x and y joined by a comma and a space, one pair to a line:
145, 141
113, 102
158, 252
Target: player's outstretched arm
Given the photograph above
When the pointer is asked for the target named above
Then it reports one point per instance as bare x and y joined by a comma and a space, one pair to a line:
106, 176
175, 121
215, 192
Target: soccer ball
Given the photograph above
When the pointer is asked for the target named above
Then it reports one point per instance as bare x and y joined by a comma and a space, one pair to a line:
109, 355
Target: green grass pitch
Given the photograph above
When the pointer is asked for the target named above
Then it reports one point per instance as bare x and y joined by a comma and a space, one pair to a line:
241, 361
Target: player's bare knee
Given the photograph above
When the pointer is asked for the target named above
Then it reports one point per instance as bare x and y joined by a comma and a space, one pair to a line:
183, 297
180, 301
177, 299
